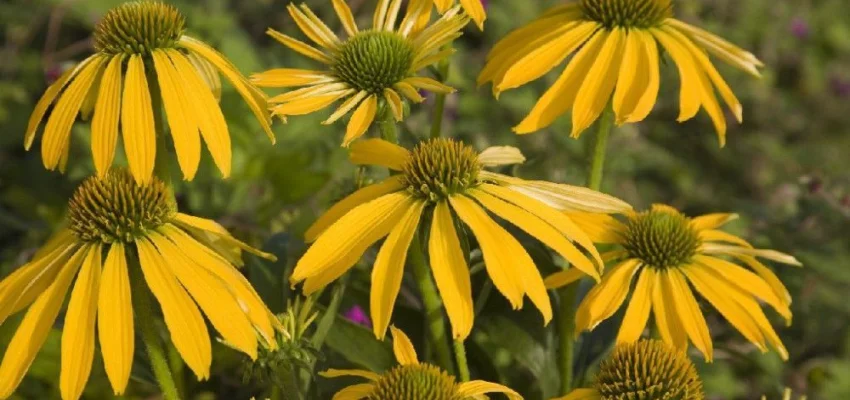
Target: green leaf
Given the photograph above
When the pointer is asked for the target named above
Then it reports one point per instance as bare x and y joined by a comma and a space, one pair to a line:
526, 351
268, 277
359, 346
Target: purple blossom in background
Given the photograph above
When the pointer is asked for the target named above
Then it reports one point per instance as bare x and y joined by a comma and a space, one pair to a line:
840, 86
800, 28
485, 3
357, 315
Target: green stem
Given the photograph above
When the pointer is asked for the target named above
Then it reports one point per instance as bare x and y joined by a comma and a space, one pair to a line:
160, 168
566, 320
389, 130
460, 356
597, 163
433, 305
566, 327
440, 103
146, 322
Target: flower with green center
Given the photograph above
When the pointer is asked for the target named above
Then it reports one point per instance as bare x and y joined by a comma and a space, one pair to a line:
614, 57
371, 70
645, 370
121, 232
412, 380
668, 253
445, 181
144, 61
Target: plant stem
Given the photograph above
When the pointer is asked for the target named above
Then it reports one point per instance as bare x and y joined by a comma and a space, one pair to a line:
433, 305
389, 131
440, 102
566, 320
460, 356
146, 322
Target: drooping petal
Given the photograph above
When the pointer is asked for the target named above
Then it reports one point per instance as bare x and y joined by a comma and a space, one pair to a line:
137, 123
563, 278
690, 98
403, 349
606, 298
289, 77
78, 332
355, 392
368, 193
389, 268
712, 221
210, 226
49, 96
595, 92
690, 314
345, 16
745, 280
497, 156
115, 319
647, 100
637, 313
104, 126
451, 273
380, 153
300, 47
667, 318
582, 394
478, 388
394, 101
184, 130
713, 235
346, 107
361, 120
336, 373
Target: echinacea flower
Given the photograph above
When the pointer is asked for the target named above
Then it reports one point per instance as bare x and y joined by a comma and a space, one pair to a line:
184, 260
413, 380
144, 59
649, 369
665, 251
444, 180
615, 59
371, 68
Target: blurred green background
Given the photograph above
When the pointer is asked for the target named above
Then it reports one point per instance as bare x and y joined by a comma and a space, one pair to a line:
785, 170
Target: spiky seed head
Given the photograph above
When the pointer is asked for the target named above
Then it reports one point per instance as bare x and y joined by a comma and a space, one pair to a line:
139, 27
439, 168
648, 370
374, 60
415, 382
661, 238
627, 13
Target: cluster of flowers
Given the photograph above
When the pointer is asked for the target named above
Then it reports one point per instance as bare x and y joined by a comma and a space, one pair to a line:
435, 193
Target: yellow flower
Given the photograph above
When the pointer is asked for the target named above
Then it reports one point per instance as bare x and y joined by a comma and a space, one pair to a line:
649, 369
473, 8
369, 69
665, 250
142, 54
614, 48
412, 380
445, 178
185, 261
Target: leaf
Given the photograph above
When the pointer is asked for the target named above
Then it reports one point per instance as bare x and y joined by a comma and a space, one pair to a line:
536, 357
359, 346
269, 278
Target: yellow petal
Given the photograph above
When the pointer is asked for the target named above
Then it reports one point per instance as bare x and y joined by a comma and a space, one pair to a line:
491, 237
475, 9
115, 319
608, 295
355, 392
595, 92
208, 73
633, 79
336, 373
721, 48
289, 77
184, 130
718, 296
338, 210
409, 91
745, 280
33, 330
379, 152
346, 107
211, 294
137, 121
353, 233
690, 97
563, 278
637, 313
255, 99
478, 388
380, 14
207, 113
497, 156
57, 132
773, 255
361, 120
405, 354
389, 268
561, 96
394, 101
564, 197
653, 75
428, 84
309, 104
78, 333
47, 98
712, 221
767, 274
690, 314
549, 50
254, 307
300, 47
712, 235
184, 321
451, 273
602, 228
317, 32
346, 17
104, 126
582, 394
219, 231
539, 229
666, 317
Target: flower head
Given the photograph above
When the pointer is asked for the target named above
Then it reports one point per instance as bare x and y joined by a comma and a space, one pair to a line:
648, 370
665, 251
445, 180
143, 60
615, 59
370, 70
184, 260
412, 380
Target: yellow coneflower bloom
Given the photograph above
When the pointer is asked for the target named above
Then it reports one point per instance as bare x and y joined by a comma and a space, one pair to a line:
614, 44
649, 369
473, 8
141, 53
370, 68
665, 251
185, 261
446, 178
412, 379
